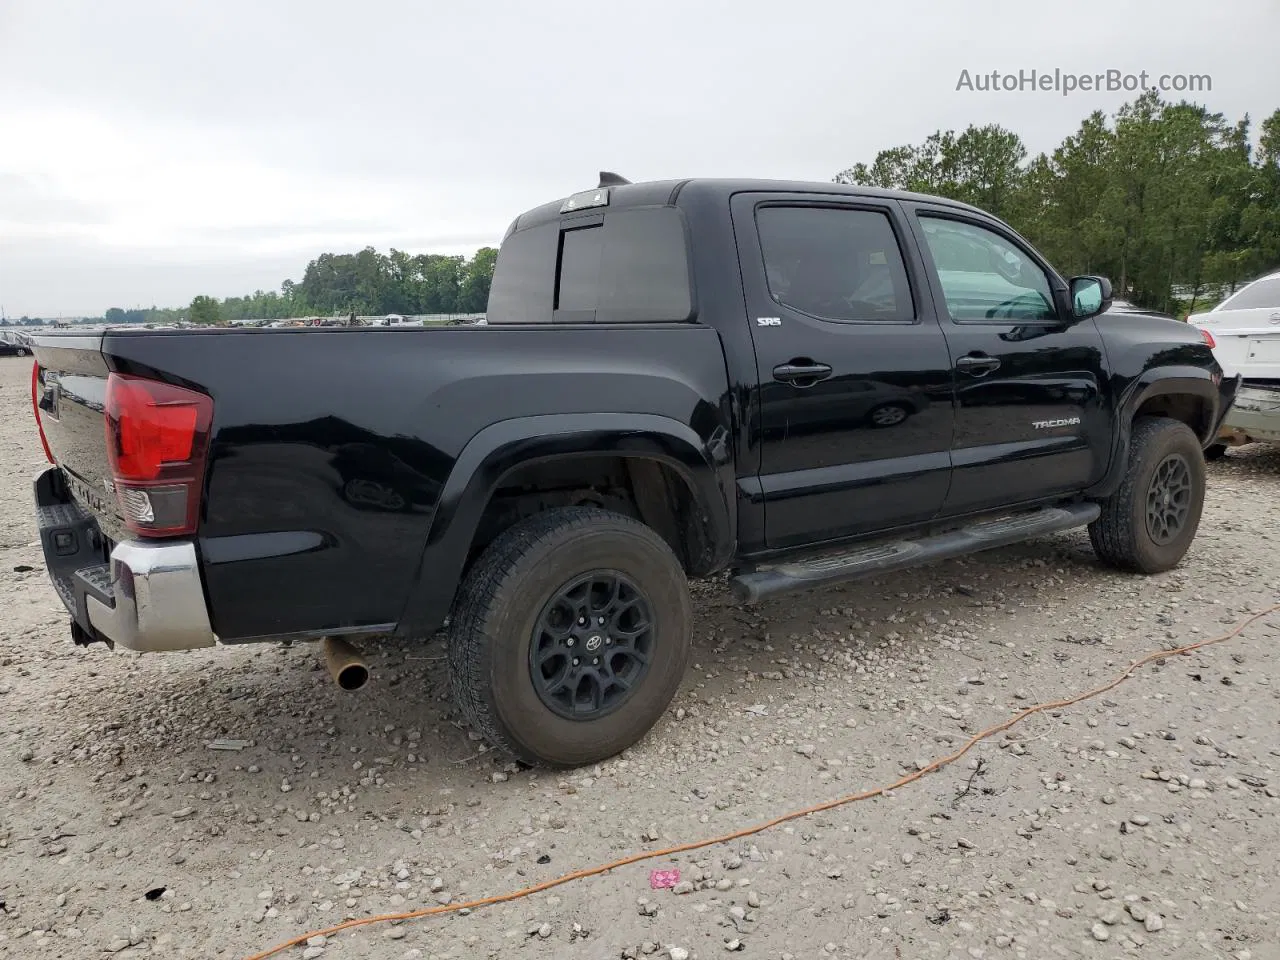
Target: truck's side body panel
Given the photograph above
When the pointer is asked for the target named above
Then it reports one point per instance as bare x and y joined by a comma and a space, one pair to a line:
1147, 358
1034, 416
871, 438
722, 306
331, 448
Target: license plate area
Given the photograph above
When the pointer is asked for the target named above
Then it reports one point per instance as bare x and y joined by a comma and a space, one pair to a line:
1263, 350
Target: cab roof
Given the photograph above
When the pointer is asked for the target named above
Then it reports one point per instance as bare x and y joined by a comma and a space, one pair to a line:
665, 192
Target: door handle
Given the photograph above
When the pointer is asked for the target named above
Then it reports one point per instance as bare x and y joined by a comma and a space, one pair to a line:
801, 372
977, 365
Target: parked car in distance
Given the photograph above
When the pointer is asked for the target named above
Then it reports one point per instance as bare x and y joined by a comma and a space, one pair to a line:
1246, 330
797, 383
14, 344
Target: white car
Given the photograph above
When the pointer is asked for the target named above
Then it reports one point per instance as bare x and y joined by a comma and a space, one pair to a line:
1246, 332
1246, 327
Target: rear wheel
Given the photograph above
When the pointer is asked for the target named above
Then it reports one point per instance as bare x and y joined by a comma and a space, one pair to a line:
570, 636
1148, 524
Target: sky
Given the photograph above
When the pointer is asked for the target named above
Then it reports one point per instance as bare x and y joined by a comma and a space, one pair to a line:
153, 150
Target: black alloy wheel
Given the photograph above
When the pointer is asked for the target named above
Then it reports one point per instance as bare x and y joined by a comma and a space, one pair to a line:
1169, 499
591, 646
570, 635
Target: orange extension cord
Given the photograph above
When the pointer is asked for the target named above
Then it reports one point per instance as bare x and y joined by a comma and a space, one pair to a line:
769, 824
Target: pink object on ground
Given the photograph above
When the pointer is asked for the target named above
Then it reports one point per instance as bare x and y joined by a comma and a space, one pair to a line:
663, 879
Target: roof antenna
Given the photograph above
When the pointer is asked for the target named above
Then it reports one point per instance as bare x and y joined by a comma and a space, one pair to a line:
608, 179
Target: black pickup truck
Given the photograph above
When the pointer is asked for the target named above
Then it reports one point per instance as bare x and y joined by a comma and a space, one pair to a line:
797, 383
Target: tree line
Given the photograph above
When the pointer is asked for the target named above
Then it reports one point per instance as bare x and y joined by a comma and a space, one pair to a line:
1169, 200
365, 283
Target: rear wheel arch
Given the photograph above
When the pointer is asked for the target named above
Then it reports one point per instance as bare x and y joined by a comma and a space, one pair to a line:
681, 487
645, 487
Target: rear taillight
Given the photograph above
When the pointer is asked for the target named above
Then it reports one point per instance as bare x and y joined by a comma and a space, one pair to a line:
35, 408
157, 444
1207, 337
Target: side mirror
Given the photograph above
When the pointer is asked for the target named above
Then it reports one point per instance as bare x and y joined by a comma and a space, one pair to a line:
1089, 296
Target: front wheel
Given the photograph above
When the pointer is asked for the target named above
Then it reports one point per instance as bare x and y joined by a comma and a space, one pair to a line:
1148, 524
570, 636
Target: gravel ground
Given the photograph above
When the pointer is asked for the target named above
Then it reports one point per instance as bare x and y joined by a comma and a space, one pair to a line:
1146, 822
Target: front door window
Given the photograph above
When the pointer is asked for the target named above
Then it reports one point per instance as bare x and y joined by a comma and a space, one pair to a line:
984, 277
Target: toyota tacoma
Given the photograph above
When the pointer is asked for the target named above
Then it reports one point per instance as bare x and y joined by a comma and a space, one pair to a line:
796, 384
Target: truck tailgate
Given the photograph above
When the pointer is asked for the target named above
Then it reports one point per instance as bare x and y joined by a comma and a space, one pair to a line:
70, 394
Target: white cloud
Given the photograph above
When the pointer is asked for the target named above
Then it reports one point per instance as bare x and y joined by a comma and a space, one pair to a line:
180, 185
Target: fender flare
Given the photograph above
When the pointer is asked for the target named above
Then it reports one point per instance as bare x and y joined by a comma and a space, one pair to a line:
1163, 381
1155, 382
501, 448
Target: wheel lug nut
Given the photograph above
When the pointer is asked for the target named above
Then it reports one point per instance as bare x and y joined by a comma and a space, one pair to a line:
608, 640
575, 661
595, 661
569, 642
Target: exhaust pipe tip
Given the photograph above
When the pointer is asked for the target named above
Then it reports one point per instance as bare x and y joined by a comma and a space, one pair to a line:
353, 676
345, 664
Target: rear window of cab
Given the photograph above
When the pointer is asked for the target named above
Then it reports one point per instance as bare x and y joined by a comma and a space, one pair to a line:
622, 266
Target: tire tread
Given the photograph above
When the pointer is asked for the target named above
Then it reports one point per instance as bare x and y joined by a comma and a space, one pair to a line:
485, 589
1115, 535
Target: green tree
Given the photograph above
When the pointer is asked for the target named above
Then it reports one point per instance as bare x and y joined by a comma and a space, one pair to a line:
439, 282
981, 165
204, 310
986, 167
369, 282
1160, 197
477, 275
1259, 228
1061, 203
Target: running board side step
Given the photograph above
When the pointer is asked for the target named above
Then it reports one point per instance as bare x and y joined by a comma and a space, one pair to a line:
770, 581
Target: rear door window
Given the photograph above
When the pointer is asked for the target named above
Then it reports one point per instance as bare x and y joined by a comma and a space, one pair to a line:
834, 263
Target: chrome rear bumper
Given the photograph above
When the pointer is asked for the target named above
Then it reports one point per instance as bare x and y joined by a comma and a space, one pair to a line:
145, 596
158, 599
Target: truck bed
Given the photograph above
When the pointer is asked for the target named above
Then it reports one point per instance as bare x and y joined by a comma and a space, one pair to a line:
331, 448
